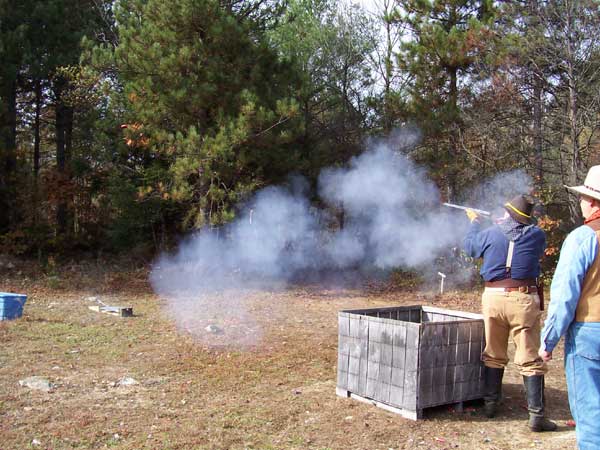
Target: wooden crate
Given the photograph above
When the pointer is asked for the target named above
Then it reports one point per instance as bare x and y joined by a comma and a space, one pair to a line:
408, 358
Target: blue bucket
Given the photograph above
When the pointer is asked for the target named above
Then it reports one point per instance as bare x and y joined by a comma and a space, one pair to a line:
11, 305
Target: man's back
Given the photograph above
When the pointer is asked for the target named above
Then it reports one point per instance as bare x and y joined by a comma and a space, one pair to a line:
492, 245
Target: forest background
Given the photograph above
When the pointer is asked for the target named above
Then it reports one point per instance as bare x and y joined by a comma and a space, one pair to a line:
127, 124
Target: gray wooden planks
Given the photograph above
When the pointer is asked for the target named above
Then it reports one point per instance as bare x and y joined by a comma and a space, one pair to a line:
410, 358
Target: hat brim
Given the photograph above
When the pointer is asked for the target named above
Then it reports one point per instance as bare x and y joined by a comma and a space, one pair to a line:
582, 190
517, 217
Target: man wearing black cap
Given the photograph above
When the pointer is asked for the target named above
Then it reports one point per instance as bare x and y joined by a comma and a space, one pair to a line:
511, 250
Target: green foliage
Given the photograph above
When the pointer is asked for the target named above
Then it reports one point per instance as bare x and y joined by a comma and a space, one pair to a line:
329, 42
133, 220
40, 45
180, 110
452, 38
208, 100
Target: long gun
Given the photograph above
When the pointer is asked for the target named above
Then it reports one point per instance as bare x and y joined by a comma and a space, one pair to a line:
464, 208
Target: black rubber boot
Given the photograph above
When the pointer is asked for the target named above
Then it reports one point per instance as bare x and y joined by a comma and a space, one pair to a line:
535, 404
492, 395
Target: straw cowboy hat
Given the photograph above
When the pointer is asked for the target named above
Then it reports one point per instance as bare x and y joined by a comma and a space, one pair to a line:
591, 185
520, 209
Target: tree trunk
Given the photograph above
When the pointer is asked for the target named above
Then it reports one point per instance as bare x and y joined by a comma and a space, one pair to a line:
576, 163
69, 203
387, 107
537, 79
538, 142
537, 109
36, 148
8, 161
61, 163
454, 135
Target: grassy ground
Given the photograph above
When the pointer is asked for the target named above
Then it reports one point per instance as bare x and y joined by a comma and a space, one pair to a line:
278, 393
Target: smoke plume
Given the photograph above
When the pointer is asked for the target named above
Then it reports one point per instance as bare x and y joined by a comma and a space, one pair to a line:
381, 212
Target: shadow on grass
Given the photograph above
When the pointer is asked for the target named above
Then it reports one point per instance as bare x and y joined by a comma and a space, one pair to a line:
513, 406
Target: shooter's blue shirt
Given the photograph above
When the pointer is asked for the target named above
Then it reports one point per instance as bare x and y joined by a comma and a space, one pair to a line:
577, 255
491, 244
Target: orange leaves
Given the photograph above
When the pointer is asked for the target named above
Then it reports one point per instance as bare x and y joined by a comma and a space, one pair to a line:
60, 186
132, 126
143, 192
548, 224
160, 190
134, 135
551, 227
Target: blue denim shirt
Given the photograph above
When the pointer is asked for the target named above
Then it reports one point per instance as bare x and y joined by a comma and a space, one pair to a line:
577, 254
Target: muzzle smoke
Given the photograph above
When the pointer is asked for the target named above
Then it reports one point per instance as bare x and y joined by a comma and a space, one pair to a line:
382, 213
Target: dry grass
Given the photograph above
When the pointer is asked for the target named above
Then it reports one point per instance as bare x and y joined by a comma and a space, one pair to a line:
278, 394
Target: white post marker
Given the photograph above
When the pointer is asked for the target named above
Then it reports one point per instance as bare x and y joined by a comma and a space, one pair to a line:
442, 276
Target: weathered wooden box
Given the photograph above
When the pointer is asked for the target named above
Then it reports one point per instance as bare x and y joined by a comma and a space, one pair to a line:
408, 358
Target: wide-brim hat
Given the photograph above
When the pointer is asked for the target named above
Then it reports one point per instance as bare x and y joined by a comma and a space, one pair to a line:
520, 209
591, 185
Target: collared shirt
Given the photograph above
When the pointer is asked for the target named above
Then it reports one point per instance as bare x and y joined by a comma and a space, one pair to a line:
577, 255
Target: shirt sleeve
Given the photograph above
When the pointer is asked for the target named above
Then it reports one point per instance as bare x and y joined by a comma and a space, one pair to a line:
576, 256
472, 242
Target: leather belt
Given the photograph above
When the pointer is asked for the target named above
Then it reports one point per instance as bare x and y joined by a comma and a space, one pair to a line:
526, 286
523, 289
511, 283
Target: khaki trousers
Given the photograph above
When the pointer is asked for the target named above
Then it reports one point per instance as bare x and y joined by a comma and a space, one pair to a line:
517, 315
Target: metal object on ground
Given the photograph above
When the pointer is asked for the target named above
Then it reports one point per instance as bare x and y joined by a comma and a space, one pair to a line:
121, 311
11, 305
464, 208
408, 358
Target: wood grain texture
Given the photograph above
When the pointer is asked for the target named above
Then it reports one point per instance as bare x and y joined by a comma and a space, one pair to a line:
410, 357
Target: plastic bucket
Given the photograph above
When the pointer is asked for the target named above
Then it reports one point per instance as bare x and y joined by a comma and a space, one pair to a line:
11, 305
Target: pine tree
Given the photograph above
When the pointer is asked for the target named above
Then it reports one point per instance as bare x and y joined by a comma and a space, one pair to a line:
448, 39
209, 101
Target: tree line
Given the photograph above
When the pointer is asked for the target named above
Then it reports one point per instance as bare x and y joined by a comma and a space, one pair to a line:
124, 123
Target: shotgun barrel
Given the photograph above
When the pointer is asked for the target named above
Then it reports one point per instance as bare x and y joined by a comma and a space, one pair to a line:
478, 211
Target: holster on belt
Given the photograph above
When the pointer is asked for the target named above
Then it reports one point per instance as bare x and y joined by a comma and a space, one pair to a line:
540, 291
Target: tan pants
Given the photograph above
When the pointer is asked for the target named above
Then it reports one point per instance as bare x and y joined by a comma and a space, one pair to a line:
517, 315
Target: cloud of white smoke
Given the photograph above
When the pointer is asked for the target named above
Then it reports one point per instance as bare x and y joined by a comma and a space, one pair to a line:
391, 218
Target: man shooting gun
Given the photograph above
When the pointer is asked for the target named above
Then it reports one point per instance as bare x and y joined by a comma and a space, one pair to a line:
511, 250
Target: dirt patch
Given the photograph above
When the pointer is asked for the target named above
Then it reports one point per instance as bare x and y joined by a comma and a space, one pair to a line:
194, 393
